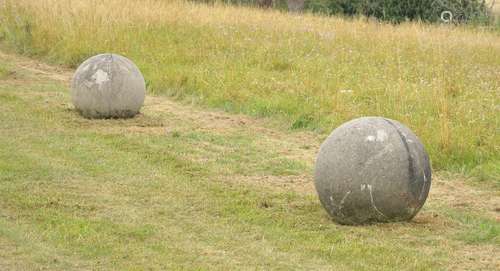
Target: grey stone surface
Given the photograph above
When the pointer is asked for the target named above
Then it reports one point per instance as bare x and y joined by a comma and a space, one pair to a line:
108, 86
372, 169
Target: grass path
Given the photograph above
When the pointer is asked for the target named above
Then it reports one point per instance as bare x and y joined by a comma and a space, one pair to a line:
183, 187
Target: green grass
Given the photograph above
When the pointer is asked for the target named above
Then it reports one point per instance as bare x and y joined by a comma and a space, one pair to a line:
103, 194
5, 72
479, 230
306, 71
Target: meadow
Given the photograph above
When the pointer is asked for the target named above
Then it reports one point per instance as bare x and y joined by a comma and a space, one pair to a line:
184, 188
308, 72
216, 172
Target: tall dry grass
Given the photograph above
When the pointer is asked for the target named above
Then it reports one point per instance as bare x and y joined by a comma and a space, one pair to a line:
308, 71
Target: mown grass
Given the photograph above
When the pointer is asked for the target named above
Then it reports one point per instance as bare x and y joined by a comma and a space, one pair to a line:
308, 71
80, 194
5, 72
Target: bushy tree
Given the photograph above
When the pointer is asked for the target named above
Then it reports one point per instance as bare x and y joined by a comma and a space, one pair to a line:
402, 10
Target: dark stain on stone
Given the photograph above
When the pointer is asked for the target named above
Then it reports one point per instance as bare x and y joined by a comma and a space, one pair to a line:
411, 162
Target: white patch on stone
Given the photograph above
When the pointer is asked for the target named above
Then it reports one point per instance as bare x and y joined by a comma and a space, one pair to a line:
423, 186
370, 138
88, 83
381, 135
344, 198
100, 77
372, 201
85, 68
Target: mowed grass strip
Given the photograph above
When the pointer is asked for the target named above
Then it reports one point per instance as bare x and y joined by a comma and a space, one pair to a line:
309, 72
80, 194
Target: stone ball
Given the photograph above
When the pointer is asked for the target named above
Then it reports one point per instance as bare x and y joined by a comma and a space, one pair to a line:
108, 86
371, 170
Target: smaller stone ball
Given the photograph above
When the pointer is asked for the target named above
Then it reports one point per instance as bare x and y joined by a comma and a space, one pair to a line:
372, 169
108, 86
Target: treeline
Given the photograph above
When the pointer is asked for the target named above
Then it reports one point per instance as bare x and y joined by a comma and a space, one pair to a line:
453, 11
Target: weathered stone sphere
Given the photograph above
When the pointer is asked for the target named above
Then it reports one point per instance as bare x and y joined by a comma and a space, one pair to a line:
108, 86
372, 169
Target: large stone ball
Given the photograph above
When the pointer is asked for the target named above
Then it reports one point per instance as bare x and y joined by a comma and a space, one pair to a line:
108, 86
372, 169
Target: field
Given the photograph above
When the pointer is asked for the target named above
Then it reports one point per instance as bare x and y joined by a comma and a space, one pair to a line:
308, 71
216, 173
184, 188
